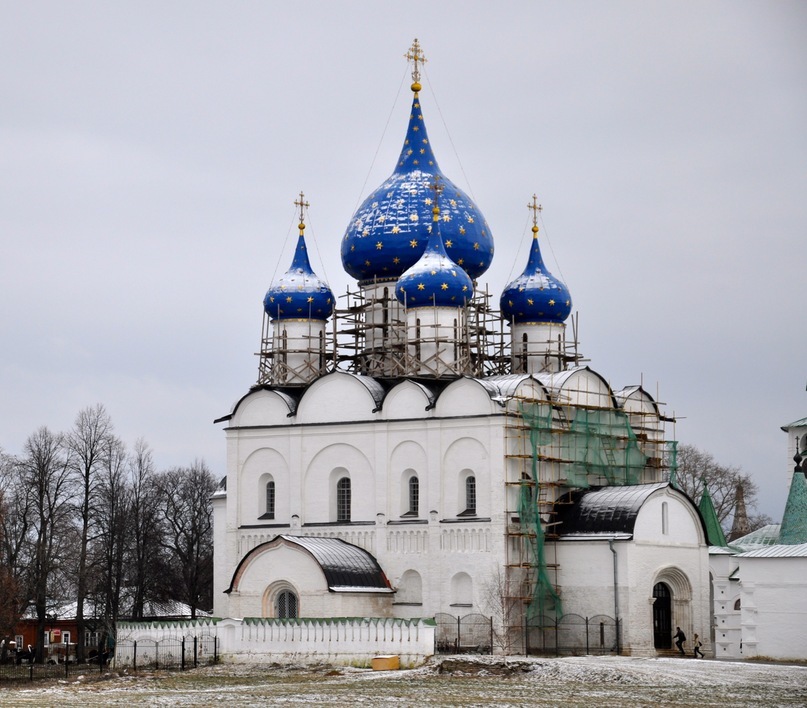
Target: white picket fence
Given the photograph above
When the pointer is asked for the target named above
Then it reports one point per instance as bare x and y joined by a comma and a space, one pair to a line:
351, 640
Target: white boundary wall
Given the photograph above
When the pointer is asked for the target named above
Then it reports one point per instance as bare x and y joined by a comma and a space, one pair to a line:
351, 640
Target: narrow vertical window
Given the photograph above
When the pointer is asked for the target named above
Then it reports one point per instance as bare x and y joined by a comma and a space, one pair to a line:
343, 499
470, 495
270, 500
665, 524
414, 495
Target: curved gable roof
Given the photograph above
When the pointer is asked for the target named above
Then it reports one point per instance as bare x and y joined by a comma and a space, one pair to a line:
290, 401
556, 381
607, 510
345, 566
637, 392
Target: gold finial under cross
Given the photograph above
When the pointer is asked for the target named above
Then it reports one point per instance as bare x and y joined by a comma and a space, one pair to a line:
303, 204
415, 54
536, 209
437, 188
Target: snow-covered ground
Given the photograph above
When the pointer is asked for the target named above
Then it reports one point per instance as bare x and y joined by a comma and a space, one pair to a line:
447, 681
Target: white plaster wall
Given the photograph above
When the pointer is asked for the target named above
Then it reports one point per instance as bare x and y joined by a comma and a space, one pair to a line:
262, 408
221, 553
331, 461
376, 456
584, 387
286, 563
336, 397
255, 472
774, 607
683, 523
406, 400
726, 620
340, 641
586, 573
464, 397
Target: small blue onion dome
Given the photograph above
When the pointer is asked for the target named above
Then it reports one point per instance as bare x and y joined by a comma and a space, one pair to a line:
390, 230
299, 293
536, 295
434, 280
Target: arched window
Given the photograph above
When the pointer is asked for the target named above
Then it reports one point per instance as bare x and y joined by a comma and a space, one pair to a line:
286, 605
665, 520
343, 499
414, 496
737, 605
470, 496
270, 500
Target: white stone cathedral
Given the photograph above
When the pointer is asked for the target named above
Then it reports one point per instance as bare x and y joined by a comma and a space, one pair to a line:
404, 455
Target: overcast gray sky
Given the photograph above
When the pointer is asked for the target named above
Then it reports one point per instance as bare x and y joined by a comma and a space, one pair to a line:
150, 153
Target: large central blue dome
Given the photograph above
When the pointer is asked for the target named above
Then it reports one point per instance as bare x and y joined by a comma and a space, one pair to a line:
390, 230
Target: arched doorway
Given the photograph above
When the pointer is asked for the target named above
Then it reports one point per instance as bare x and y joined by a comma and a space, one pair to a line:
662, 616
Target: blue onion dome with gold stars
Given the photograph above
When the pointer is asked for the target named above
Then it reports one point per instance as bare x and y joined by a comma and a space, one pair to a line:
434, 280
536, 295
390, 230
299, 293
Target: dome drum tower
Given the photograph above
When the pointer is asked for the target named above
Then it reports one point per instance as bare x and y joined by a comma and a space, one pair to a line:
294, 342
388, 235
538, 347
537, 304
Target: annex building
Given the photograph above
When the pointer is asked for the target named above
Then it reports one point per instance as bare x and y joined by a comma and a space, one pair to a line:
424, 447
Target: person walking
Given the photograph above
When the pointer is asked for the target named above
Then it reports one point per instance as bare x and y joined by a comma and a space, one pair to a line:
696, 643
680, 638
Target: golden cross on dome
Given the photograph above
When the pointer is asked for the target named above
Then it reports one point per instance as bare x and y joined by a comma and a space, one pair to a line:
303, 204
536, 209
415, 54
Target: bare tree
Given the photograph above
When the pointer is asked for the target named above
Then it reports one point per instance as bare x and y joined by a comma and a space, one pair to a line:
88, 444
185, 500
12, 594
46, 476
697, 469
505, 607
112, 524
146, 531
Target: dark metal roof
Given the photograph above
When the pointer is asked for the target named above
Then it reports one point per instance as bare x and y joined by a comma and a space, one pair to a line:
344, 564
606, 510
346, 567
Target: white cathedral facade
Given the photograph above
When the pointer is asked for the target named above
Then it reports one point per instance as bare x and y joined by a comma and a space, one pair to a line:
417, 452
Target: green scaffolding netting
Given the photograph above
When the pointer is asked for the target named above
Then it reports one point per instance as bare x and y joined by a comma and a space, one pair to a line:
672, 462
587, 446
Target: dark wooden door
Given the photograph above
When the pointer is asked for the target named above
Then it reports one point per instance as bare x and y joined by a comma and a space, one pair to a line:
662, 616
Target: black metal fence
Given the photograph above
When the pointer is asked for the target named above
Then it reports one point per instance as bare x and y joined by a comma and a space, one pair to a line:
572, 634
469, 634
171, 654
24, 671
568, 635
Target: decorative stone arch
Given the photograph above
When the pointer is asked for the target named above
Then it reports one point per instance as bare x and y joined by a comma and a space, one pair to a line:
410, 589
462, 590
274, 594
680, 590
